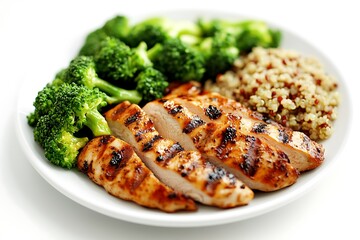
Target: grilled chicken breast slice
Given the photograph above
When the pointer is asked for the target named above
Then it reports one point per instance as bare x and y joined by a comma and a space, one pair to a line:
184, 171
113, 164
304, 154
259, 165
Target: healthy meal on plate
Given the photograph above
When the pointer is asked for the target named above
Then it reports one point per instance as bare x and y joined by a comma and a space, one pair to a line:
170, 113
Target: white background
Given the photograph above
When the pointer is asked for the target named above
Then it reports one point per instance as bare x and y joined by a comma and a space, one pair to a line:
30, 34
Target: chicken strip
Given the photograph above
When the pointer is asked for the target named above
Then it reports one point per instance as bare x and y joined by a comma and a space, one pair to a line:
304, 154
113, 164
184, 171
259, 165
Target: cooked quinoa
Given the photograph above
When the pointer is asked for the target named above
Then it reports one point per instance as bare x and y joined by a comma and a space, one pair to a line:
288, 87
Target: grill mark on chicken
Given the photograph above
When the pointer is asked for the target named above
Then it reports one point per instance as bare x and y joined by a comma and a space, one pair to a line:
101, 147
251, 158
306, 142
85, 167
195, 122
218, 174
188, 168
170, 153
119, 111
259, 128
132, 118
189, 126
212, 112
148, 127
283, 156
150, 144
118, 161
214, 177
140, 176
105, 139
175, 110
228, 136
284, 137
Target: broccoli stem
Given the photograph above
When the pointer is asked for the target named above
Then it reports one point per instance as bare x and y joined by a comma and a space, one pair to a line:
97, 123
132, 96
154, 51
115, 94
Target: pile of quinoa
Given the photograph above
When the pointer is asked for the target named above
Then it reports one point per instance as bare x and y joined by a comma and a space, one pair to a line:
284, 85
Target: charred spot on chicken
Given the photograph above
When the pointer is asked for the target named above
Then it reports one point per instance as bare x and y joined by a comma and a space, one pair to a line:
212, 112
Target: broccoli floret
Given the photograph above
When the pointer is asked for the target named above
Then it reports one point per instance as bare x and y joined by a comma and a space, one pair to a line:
276, 37
44, 101
148, 33
78, 103
117, 27
81, 71
158, 29
59, 77
257, 33
210, 27
73, 108
248, 33
141, 56
83, 104
177, 61
151, 83
220, 52
116, 61
92, 42
60, 145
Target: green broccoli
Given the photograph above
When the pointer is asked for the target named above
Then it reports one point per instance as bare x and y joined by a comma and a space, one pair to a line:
151, 84
147, 85
276, 37
257, 33
92, 42
210, 27
116, 27
61, 146
116, 61
44, 101
148, 33
177, 61
248, 34
220, 52
83, 104
158, 29
82, 71
72, 109
59, 77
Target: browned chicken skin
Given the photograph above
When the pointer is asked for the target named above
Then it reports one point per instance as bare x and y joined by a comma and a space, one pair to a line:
259, 165
113, 164
185, 171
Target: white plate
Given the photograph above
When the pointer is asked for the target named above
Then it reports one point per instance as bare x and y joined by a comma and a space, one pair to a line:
79, 188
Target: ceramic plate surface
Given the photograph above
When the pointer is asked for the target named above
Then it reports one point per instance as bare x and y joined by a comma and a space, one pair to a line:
79, 188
